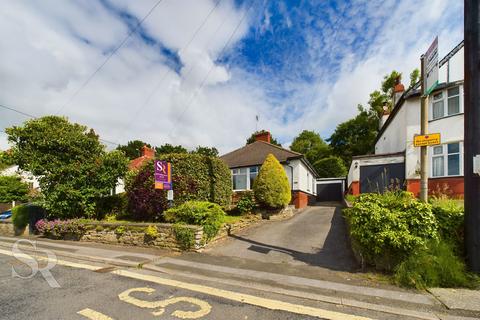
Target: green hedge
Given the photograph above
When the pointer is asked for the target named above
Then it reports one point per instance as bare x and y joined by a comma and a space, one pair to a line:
194, 177
207, 214
388, 228
20, 216
450, 218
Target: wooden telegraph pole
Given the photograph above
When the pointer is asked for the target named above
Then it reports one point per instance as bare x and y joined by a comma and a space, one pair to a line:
472, 133
423, 131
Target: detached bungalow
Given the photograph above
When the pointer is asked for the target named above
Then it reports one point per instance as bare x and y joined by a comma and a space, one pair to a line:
245, 163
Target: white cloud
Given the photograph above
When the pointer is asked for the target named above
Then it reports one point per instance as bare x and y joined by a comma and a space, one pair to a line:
49, 49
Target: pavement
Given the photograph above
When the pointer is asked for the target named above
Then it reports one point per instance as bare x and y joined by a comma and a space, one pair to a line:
228, 279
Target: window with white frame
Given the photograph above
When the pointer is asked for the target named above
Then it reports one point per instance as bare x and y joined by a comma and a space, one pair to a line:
243, 178
446, 103
308, 179
239, 178
447, 160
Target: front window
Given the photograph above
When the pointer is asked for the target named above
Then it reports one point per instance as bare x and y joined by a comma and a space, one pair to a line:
446, 160
239, 177
253, 175
446, 103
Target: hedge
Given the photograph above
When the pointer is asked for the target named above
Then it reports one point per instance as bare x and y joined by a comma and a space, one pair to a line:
194, 177
387, 228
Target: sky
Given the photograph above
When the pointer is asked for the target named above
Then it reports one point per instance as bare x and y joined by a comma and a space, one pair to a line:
198, 72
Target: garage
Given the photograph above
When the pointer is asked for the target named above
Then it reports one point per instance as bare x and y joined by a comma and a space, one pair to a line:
330, 189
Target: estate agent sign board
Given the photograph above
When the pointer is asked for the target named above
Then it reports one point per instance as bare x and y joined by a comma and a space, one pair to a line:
163, 175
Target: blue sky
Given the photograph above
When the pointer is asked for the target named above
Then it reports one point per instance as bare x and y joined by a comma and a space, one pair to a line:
198, 72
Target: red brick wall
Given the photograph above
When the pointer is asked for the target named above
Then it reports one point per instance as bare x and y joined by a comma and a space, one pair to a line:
413, 186
451, 186
301, 199
354, 188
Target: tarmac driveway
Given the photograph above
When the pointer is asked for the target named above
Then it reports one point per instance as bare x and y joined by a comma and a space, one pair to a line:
315, 237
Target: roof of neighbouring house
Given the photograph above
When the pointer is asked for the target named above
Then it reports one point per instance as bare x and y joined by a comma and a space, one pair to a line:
254, 154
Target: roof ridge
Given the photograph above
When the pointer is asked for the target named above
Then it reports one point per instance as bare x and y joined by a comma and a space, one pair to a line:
281, 148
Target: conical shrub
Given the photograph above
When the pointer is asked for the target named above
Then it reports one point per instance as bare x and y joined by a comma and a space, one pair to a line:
271, 188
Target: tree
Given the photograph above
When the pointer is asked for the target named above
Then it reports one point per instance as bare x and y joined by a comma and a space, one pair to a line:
5, 160
311, 145
168, 148
133, 149
206, 151
12, 188
271, 188
355, 136
252, 138
72, 166
414, 78
330, 167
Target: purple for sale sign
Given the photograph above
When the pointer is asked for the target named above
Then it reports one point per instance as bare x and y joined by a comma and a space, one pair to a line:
163, 175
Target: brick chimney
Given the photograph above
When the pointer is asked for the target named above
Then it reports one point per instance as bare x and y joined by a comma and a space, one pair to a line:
263, 136
398, 90
148, 152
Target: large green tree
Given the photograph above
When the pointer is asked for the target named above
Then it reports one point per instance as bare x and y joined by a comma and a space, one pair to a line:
355, 136
167, 148
206, 151
330, 167
73, 167
12, 188
311, 145
133, 149
252, 138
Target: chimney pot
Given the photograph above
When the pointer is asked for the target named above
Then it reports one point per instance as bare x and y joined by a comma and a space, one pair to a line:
148, 152
263, 136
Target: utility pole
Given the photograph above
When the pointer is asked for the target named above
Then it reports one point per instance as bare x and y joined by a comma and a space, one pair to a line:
423, 131
472, 132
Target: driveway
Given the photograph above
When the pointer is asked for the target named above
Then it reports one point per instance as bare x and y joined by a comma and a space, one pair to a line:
315, 237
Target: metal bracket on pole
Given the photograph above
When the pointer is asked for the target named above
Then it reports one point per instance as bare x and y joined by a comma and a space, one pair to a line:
476, 165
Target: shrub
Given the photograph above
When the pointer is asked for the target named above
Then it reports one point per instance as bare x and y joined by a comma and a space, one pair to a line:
390, 227
184, 235
246, 203
13, 189
151, 232
59, 229
271, 188
194, 177
207, 214
330, 167
435, 266
115, 205
20, 216
450, 218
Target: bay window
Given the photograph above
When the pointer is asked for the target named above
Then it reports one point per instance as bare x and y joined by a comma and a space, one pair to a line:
447, 160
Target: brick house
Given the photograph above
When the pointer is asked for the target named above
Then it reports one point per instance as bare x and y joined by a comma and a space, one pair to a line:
396, 160
245, 163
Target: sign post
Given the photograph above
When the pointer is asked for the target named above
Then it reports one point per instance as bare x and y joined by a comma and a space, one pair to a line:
163, 175
429, 81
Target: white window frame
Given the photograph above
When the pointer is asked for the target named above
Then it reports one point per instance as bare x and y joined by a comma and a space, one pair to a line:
445, 98
445, 154
248, 185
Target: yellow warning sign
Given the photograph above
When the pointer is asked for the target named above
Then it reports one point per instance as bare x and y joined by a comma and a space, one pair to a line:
426, 140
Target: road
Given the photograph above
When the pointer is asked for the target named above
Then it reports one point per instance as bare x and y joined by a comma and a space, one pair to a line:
95, 293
